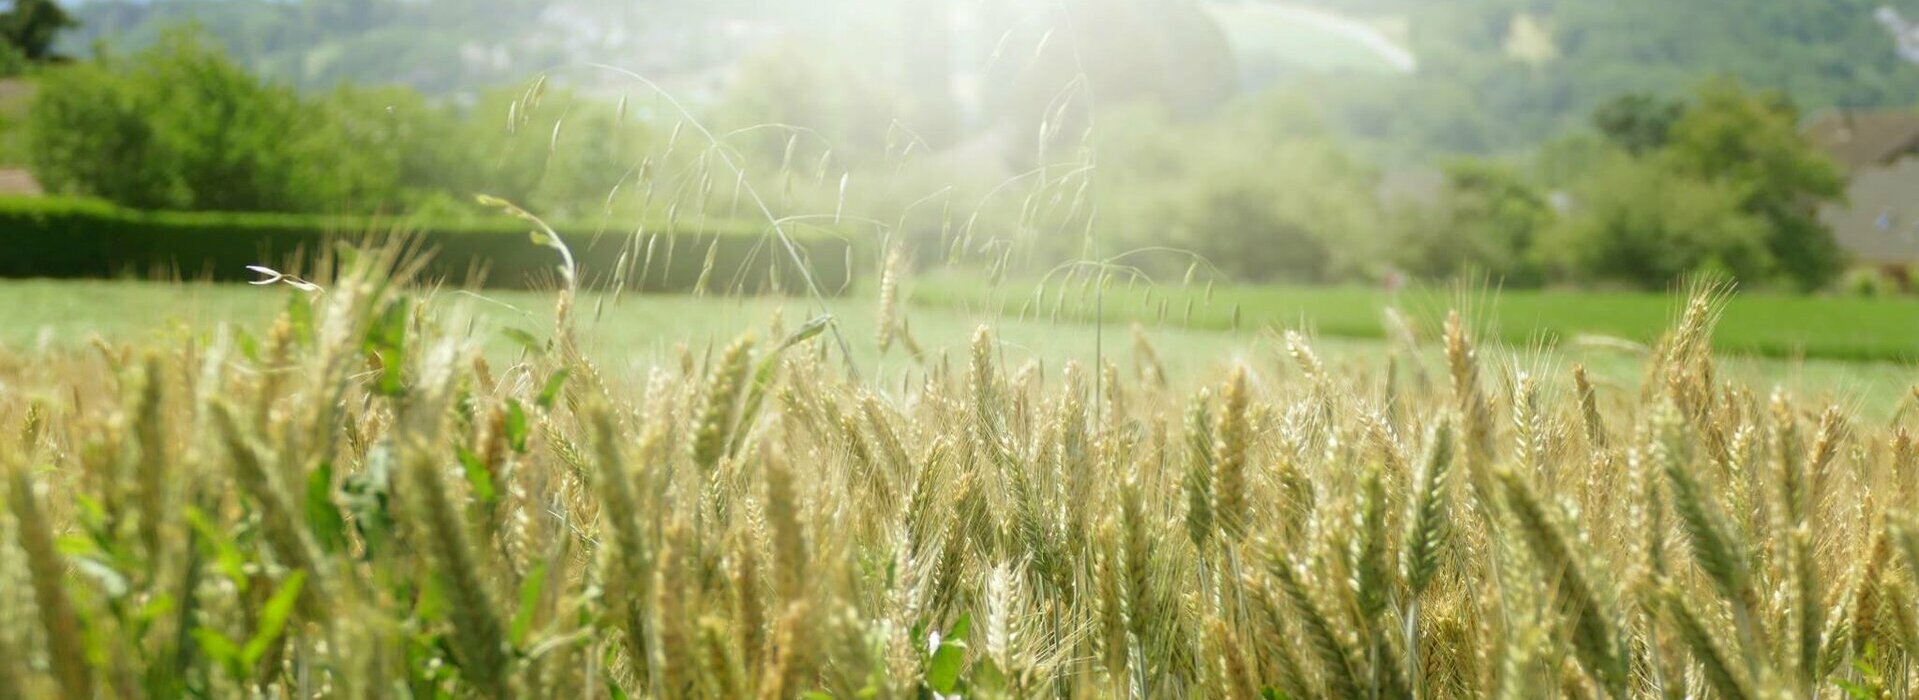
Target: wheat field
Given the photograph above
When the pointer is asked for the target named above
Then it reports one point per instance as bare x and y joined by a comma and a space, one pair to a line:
353, 502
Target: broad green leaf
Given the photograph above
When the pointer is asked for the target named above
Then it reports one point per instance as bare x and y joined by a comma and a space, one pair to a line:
961, 627
943, 670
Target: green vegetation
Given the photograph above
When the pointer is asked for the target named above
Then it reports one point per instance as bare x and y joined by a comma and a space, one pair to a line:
27, 32
1722, 184
180, 125
1143, 157
1761, 324
77, 238
1476, 93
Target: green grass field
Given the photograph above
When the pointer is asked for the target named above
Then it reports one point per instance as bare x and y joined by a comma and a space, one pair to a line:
1764, 325
635, 333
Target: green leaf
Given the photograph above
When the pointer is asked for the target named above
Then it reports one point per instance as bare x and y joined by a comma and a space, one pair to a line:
1854, 690
515, 426
816, 695
323, 517
807, 331
961, 627
386, 341
273, 618
552, 390
478, 477
226, 557
525, 340
530, 591
222, 650
430, 605
943, 670
249, 346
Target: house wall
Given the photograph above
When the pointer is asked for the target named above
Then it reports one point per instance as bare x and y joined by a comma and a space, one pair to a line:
1879, 221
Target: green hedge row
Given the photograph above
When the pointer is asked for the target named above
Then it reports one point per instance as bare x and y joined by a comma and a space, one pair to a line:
61, 237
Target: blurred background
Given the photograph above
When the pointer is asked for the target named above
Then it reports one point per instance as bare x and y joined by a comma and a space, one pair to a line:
1539, 142
1301, 154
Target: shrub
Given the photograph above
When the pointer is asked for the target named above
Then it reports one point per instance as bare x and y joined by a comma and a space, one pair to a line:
181, 126
1638, 222
82, 238
1486, 220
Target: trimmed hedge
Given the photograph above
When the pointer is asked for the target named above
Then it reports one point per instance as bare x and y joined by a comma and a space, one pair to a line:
64, 237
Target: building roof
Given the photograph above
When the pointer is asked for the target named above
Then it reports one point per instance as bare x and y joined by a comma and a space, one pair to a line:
1863, 139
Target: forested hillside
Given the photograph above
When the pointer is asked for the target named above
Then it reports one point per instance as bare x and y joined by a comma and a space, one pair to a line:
1497, 75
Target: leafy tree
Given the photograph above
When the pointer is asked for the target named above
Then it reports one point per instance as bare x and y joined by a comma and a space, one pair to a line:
181, 126
31, 26
1639, 222
1637, 122
1486, 220
1750, 143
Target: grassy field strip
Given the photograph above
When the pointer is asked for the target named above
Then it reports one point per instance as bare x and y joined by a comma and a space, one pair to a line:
1775, 326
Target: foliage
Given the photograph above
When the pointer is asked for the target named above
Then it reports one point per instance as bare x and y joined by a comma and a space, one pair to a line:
29, 27
1638, 222
1485, 221
1637, 122
180, 126
1471, 94
1751, 143
78, 238
1721, 184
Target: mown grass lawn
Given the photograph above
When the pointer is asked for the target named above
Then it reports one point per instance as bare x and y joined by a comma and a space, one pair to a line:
1765, 325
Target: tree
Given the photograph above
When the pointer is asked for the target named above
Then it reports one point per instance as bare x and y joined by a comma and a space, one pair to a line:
1485, 221
1638, 122
31, 26
1637, 221
1750, 143
181, 126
